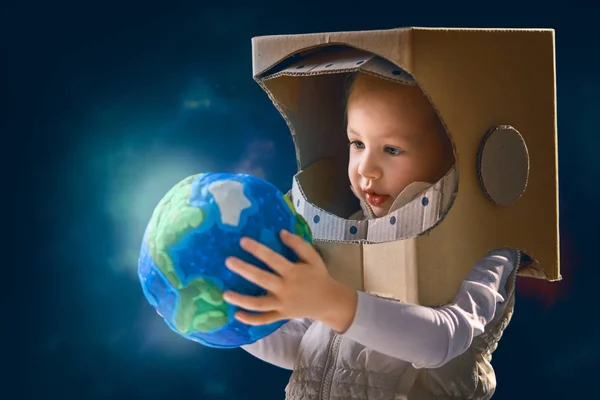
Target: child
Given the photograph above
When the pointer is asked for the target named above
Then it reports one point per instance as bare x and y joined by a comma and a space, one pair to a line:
346, 344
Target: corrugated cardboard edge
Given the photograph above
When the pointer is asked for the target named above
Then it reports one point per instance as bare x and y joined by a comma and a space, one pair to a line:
555, 157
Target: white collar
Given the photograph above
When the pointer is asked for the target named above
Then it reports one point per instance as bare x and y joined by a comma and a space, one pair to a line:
406, 196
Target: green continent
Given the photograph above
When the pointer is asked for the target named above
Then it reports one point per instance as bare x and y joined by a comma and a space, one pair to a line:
289, 203
201, 307
171, 220
301, 227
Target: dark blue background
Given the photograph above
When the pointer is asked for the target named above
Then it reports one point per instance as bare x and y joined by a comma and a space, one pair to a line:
108, 104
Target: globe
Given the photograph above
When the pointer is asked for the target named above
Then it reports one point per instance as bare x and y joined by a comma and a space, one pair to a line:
193, 229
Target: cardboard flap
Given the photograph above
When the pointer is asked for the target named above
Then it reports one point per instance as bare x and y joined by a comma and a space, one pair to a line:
400, 280
340, 59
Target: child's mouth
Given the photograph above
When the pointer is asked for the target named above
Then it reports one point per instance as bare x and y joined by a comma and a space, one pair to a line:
375, 199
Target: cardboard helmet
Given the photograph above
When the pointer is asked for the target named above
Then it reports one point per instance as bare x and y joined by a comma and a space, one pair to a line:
494, 91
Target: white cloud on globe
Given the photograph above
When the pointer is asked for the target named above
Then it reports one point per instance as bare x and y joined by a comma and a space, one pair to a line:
230, 198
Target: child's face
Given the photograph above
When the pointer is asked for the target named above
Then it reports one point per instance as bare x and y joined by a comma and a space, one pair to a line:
395, 140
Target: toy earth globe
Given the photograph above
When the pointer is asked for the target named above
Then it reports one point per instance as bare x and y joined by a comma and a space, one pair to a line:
194, 228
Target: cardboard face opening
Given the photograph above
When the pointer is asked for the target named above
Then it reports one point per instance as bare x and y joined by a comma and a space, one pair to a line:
311, 92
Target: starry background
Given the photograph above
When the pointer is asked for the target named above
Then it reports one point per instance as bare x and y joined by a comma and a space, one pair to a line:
108, 104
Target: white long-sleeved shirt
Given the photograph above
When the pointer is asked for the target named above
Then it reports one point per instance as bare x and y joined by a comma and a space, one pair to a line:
424, 336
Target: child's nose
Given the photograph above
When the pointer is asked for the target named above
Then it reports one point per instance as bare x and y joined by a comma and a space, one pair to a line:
369, 169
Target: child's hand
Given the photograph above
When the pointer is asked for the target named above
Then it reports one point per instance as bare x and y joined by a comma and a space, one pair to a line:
296, 290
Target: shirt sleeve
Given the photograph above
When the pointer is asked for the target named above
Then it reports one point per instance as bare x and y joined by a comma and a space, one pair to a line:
280, 348
430, 337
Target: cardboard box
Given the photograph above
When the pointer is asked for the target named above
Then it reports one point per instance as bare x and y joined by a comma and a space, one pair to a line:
494, 90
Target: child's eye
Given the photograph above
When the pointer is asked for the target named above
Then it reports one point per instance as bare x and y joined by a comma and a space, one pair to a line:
357, 144
393, 151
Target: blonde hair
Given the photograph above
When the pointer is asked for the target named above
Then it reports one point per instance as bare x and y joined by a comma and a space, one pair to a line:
440, 130
348, 85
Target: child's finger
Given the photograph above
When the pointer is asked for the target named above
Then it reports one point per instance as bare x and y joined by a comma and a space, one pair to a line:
276, 261
258, 319
301, 247
252, 303
266, 280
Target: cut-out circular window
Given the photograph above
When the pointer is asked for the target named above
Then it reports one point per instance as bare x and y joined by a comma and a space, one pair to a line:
503, 165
